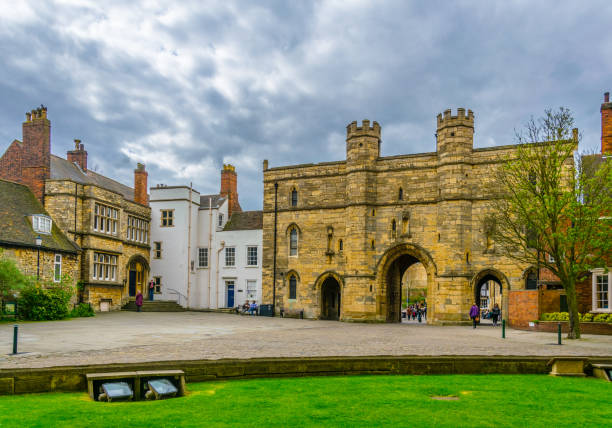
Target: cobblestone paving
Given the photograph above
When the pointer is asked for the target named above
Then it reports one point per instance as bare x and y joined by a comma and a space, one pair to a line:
123, 337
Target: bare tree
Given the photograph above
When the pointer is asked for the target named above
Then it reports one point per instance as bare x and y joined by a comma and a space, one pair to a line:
554, 202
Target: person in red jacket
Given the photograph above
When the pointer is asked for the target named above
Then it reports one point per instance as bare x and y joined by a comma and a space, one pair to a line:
138, 301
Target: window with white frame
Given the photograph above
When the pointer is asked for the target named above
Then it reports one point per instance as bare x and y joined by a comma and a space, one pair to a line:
230, 256
251, 289
41, 223
104, 267
601, 291
105, 219
220, 220
57, 268
251, 256
202, 257
137, 230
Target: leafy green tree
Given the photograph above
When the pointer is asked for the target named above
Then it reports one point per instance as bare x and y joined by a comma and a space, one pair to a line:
46, 300
554, 202
11, 278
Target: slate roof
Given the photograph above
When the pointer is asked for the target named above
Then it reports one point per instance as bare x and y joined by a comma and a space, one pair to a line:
216, 200
17, 203
64, 169
245, 220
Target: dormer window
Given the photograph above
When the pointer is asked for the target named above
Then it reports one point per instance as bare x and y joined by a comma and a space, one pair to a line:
220, 219
41, 223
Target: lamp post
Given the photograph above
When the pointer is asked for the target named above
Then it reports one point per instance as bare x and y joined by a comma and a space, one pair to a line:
38, 244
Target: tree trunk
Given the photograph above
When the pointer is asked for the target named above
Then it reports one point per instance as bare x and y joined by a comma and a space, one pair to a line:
572, 306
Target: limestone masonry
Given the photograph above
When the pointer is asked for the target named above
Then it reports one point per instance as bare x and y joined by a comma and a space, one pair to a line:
348, 230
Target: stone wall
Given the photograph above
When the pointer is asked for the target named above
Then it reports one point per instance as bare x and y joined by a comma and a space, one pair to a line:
438, 221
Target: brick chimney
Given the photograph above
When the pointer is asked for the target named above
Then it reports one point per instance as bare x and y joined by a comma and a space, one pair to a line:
140, 185
606, 125
36, 152
229, 188
78, 155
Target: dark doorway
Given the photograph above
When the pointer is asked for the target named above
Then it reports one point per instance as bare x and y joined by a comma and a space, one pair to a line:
487, 293
330, 299
230, 295
394, 286
132, 283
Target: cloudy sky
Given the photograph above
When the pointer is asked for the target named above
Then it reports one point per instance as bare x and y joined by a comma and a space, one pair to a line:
187, 86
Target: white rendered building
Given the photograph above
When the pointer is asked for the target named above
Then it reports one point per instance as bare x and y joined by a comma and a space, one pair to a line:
205, 252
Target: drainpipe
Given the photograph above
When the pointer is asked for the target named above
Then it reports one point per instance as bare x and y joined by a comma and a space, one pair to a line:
222, 245
274, 262
189, 250
210, 216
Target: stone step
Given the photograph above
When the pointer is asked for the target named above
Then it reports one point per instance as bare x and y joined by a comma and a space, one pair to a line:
154, 306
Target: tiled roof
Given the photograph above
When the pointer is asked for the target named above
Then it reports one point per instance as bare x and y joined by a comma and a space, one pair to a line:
17, 203
245, 220
64, 169
215, 200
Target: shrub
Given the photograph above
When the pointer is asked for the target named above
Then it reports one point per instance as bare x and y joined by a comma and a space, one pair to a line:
600, 318
42, 302
82, 310
11, 278
588, 317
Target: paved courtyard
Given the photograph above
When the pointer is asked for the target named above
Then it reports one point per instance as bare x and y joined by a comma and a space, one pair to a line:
123, 337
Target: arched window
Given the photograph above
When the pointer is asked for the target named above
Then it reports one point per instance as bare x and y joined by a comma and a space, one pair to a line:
293, 287
340, 245
293, 242
294, 197
400, 196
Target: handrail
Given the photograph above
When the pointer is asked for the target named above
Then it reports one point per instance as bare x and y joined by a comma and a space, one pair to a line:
178, 293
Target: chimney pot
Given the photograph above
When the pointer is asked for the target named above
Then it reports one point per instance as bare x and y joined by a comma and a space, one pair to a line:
607, 97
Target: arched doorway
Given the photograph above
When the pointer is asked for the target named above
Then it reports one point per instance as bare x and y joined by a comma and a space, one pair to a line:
490, 287
330, 299
394, 270
137, 273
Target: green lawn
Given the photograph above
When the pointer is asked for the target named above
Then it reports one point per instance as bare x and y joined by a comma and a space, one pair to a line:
524, 401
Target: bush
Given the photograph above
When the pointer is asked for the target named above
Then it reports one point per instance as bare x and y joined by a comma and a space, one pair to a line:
11, 278
43, 302
588, 317
600, 318
82, 310
555, 316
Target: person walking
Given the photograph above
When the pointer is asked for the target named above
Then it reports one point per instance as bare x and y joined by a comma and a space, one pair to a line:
495, 313
151, 289
474, 312
139, 299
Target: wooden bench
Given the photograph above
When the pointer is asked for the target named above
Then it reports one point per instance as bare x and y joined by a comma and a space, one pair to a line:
136, 379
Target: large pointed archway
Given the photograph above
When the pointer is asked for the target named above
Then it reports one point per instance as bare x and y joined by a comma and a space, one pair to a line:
391, 269
490, 287
329, 285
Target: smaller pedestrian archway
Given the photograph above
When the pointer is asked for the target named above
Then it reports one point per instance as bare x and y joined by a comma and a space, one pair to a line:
491, 288
330, 297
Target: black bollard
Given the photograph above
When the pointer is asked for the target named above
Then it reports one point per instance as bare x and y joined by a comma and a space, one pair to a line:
558, 333
503, 329
15, 331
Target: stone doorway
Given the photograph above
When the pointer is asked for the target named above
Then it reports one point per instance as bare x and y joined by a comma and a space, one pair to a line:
330, 299
395, 297
488, 291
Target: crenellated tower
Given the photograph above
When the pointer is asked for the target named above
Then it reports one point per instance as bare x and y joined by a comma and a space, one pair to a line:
362, 142
455, 142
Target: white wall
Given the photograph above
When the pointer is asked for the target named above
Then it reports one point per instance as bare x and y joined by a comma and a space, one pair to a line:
174, 266
241, 272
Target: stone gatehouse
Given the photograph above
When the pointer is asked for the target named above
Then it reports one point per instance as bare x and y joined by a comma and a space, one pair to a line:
347, 231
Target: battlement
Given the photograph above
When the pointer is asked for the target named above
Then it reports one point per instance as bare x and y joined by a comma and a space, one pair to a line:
460, 120
38, 113
229, 168
352, 130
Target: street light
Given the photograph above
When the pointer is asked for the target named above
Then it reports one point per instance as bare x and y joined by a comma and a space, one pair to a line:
38, 244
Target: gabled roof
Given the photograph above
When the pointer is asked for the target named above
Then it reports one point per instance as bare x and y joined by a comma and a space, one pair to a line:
215, 200
64, 169
245, 220
17, 204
